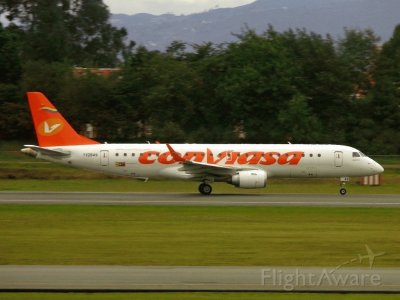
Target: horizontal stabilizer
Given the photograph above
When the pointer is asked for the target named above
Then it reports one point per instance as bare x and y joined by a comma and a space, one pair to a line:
34, 150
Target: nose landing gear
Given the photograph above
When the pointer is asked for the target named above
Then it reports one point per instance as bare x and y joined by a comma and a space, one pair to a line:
343, 181
343, 191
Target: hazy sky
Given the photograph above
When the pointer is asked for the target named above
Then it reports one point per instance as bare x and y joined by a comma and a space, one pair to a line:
178, 7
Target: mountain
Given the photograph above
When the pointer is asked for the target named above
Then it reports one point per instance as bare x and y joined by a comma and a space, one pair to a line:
217, 25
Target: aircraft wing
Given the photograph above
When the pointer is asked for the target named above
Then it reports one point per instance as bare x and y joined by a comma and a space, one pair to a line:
202, 170
33, 150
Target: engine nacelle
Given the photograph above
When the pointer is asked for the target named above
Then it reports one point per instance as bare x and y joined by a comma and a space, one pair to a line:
251, 179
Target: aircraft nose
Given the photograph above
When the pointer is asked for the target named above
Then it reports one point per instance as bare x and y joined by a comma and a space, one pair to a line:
375, 167
379, 168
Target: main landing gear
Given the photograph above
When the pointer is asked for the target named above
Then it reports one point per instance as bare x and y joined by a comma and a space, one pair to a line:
343, 181
205, 188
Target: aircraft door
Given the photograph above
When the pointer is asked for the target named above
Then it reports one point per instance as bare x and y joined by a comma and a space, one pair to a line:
104, 158
338, 159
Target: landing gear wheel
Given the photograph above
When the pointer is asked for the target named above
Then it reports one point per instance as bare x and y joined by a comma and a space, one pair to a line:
343, 181
205, 189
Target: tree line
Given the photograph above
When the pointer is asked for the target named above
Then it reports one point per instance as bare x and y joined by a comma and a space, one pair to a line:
275, 87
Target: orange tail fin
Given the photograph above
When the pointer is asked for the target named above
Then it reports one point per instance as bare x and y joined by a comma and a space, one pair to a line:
51, 127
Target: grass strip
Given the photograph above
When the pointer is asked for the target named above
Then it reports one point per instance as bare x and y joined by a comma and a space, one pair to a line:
196, 236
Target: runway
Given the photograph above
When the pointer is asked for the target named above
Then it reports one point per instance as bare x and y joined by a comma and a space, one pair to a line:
194, 199
120, 278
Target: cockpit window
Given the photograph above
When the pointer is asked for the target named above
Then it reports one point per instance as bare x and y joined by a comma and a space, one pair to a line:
362, 154
356, 154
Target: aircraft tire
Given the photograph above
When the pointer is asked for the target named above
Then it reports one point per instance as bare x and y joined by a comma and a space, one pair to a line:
205, 189
343, 191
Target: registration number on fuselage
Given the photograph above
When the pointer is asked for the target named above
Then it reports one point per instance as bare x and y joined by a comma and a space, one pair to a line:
90, 155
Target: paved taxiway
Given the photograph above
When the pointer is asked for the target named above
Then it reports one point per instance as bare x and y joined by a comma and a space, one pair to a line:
194, 199
120, 278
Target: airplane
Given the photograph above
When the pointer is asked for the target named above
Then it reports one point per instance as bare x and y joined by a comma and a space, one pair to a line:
245, 166
370, 255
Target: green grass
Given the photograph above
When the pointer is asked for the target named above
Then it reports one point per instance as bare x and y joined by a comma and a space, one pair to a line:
191, 236
194, 296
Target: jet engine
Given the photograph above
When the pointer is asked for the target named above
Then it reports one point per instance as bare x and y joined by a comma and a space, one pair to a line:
250, 179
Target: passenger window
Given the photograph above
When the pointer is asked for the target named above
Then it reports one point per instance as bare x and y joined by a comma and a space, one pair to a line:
319, 155
116, 154
311, 155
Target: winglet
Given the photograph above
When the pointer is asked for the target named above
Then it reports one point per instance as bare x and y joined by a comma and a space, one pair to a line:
176, 156
50, 126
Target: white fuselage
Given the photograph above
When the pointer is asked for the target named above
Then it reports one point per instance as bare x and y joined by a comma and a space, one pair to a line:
280, 160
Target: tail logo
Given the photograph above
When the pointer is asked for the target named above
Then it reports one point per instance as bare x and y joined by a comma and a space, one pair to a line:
50, 127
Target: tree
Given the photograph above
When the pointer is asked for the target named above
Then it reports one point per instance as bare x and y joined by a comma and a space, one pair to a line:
211, 118
160, 88
92, 39
297, 122
88, 99
359, 52
74, 31
44, 77
385, 97
14, 115
256, 85
15, 121
10, 48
